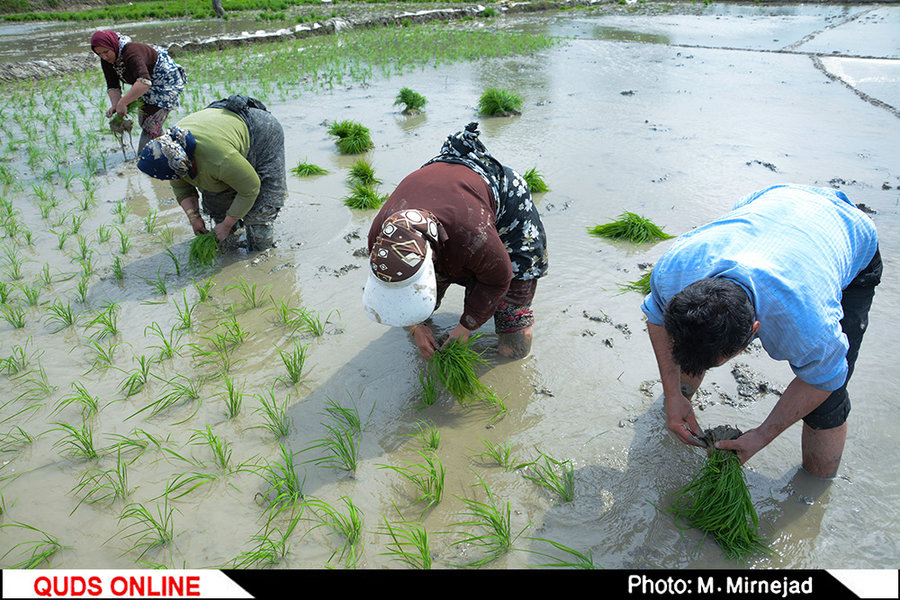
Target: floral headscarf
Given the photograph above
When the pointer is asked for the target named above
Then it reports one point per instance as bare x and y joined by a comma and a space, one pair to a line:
170, 156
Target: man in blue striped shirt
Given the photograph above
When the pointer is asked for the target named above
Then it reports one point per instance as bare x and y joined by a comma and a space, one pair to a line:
794, 266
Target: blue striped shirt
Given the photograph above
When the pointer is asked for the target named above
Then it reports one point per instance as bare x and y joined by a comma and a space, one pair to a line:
793, 249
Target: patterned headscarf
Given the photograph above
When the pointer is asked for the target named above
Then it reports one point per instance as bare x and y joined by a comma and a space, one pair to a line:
170, 156
402, 245
109, 39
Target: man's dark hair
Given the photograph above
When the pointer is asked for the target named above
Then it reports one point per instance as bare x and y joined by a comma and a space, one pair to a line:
709, 320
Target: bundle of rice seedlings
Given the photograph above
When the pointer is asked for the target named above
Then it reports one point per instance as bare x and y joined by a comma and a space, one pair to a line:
718, 502
499, 103
363, 197
412, 100
535, 180
352, 138
455, 367
641, 284
363, 172
305, 169
204, 248
631, 227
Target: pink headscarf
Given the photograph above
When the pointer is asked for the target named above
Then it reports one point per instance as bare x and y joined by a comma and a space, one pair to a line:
106, 39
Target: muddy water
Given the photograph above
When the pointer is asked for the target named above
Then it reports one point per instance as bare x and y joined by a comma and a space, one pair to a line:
671, 117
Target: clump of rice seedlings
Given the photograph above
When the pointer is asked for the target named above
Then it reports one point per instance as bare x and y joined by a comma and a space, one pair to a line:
14, 314
427, 477
412, 101
428, 390
363, 197
252, 297
274, 414
185, 312
352, 138
492, 521
105, 320
535, 180
555, 475
455, 367
293, 361
102, 357
16, 362
146, 529
117, 269
630, 227
103, 486
348, 526
136, 379
501, 454
270, 544
90, 405
307, 322
495, 102
284, 485
15, 439
203, 250
428, 435
641, 284
204, 289
363, 172
341, 444
232, 395
37, 552
169, 345
717, 501
77, 442
409, 543
306, 169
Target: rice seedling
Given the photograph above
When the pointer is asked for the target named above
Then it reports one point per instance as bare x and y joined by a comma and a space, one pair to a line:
121, 210
136, 379
31, 293
284, 487
166, 235
5, 292
204, 289
427, 478
363, 197
77, 442
253, 298
81, 289
428, 390
717, 501
270, 544
307, 322
348, 526
178, 390
148, 530
185, 312
124, 241
501, 454
103, 486
340, 446
15, 439
102, 357
169, 344
117, 269
14, 263
37, 552
578, 560
14, 314
535, 181
274, 414
428, 435
203, 251
80, 397
293, 361
493, 522
555, 475
412, 101
151, 220
362, 172
105, 320
455, 367
352, 138
630, 227
175, 261
640, 285
232, 395
409, 543
496, 102
305, 169
160, 285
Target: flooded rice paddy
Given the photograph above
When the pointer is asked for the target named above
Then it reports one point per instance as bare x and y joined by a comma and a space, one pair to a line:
670, 116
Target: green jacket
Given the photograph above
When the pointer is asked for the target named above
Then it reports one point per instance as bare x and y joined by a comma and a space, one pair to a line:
222, 145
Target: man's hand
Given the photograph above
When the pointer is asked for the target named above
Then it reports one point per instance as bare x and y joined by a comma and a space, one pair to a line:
745, 446
681, 420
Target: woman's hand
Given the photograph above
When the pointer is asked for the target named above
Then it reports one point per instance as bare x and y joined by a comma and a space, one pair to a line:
424, 339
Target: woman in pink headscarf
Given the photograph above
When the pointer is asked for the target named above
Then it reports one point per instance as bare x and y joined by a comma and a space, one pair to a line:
152, 74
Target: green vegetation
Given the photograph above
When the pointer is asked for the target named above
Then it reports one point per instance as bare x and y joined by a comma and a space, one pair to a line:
535, 181
412, 101
305, 169
495, 102
630, 227
352, 137
204, 248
